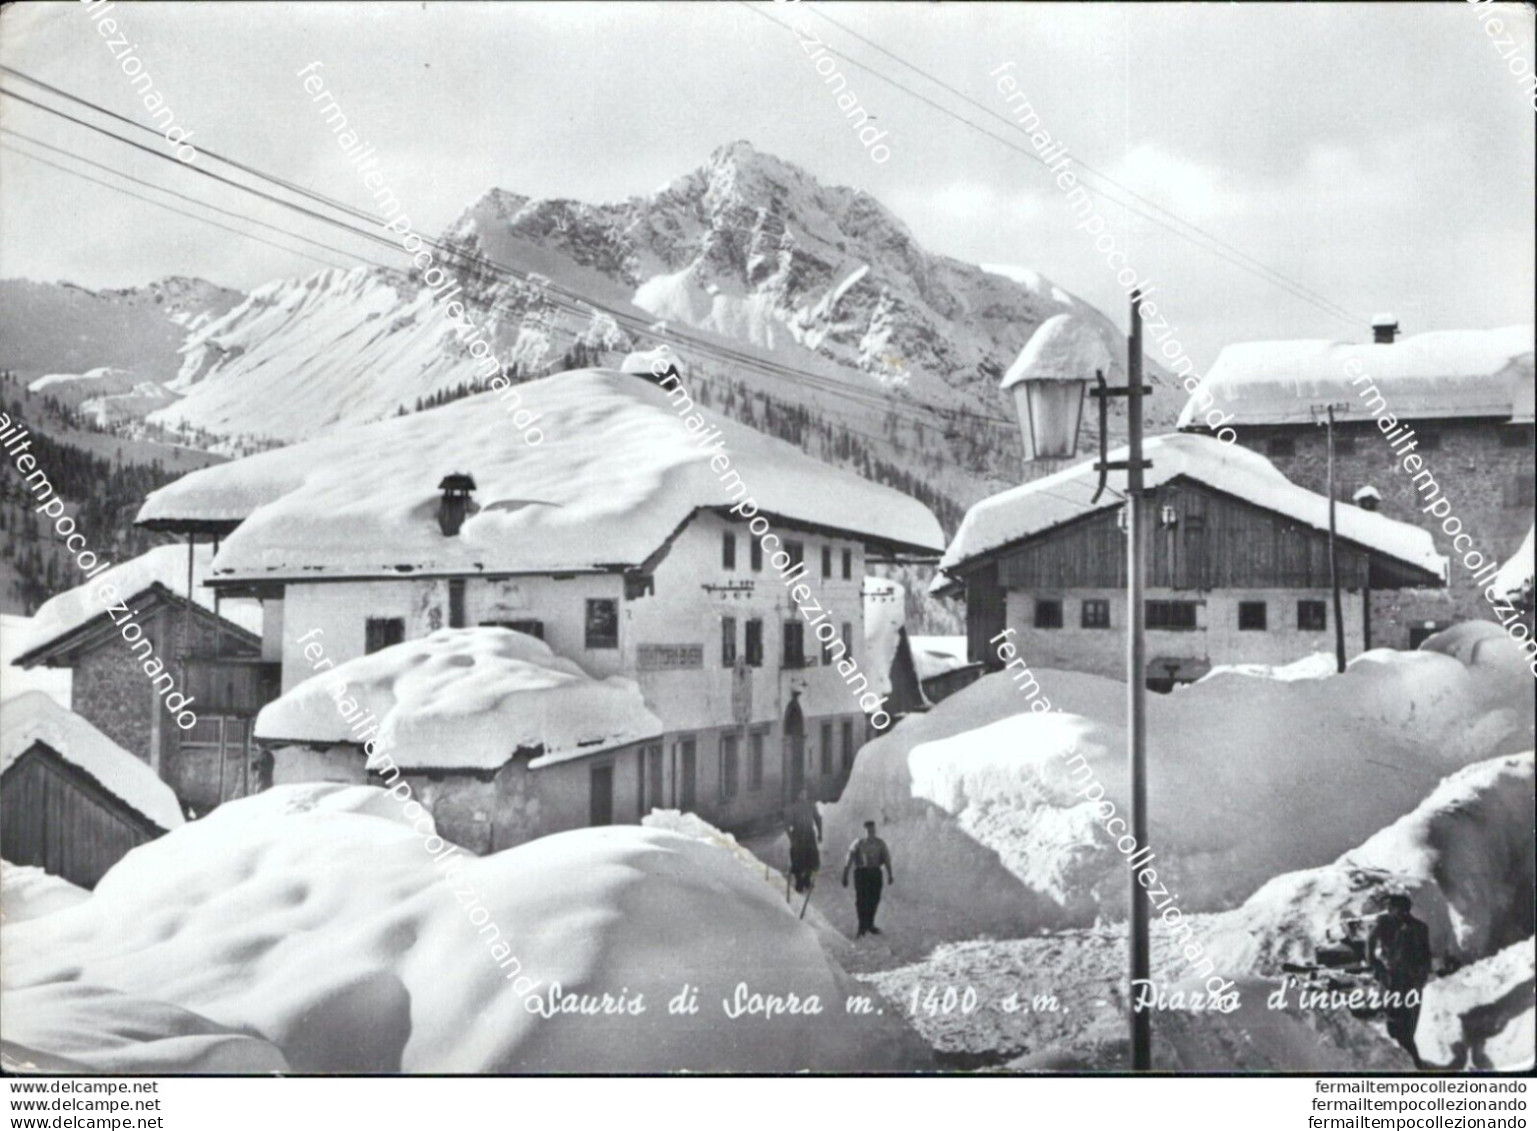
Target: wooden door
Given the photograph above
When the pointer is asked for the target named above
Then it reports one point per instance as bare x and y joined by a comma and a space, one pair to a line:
602, 807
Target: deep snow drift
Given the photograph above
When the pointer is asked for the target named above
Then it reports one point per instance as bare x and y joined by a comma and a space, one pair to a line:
1249, 777
465, 697
312, 919
30, 893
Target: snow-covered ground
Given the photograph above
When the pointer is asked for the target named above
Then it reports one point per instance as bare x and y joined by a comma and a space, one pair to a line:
309, 920
30, 893
15, 634
986, 805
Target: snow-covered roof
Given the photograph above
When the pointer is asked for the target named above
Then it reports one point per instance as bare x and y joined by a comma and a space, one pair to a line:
164, 565
15, 634
617, 473
936, 655
34, 717
1042, 504
1517, 572
465, 698
1447, 373
885, 608
1063, 348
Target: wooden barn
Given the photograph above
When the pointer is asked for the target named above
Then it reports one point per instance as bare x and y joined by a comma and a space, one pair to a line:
213, 653
1237, 567
72, 801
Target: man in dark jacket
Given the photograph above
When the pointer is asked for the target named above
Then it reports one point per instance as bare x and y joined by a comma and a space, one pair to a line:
1398, 950
804, 825
867, 856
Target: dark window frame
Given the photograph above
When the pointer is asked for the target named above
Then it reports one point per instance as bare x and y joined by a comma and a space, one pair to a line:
595, 642
383, 632
728, 550
792, 645
1312, 615
728, 652
827, 562
755, 555
848, 744
1048, 612
752, 642
534, 628
848, 564
1099, 617
1164, 615
797, 552
1253, 616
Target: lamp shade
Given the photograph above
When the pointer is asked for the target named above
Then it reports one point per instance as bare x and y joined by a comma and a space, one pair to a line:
1047, 383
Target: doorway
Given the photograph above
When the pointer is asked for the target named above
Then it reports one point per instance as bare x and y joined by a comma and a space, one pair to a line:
602, 806
794, 776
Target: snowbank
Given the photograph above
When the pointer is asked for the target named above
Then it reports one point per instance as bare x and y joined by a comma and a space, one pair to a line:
617, 457
1423, 376
936, 655
1482, 1017
1516, 574
329, 933
30, 893
165, 566
34, 717
1249, 778
1465, 855
1042, 504
465, 698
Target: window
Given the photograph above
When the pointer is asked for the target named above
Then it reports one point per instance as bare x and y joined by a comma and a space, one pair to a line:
1096, 612
827, 561
1174, 616
848, 564
727, 642
754, 643
602, 623
827, 749
687, 765
1429, 441
1251, 616
755, 761
1048, 613
755, 553
848, 640
794, 644
381, 632
1311, 616
534, 628
728, 766
728, 550
1280, 446
456, 602
797, 552
848, 746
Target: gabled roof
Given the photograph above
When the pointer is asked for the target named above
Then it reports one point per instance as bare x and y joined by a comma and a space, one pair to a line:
617, 473
32, 718
1044, 504
463, 699
68, 620
1448, 373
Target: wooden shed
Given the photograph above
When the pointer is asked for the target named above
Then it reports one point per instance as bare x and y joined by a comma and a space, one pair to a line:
72, 801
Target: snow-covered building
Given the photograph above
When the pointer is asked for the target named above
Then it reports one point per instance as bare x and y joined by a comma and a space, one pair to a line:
72, 801
1465, 395
209, 648
1237, 563
612, 540
892, 670
498, 738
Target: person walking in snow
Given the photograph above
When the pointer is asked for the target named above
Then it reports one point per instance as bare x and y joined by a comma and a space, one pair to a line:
804, 825
867, 856
1398, 950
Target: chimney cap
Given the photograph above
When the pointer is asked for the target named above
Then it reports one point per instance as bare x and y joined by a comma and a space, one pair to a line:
457, 481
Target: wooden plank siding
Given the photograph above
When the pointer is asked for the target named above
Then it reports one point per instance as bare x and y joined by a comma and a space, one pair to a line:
985, 613
1218, 542
59, 818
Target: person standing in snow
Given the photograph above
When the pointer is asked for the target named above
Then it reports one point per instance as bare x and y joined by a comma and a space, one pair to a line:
804, 825
867, 856
1398, 950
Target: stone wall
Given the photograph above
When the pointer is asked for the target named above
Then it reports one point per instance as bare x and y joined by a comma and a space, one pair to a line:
1480, 467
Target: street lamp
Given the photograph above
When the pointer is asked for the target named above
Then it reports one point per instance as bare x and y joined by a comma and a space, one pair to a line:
1047, 383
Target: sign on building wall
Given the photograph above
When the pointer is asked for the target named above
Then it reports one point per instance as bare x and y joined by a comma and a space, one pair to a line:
669, 657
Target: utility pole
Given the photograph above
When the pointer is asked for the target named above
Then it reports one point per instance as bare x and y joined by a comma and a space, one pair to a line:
1136, 686
1334, 565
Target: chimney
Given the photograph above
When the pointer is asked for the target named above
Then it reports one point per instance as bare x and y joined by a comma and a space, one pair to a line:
454, 506
1384, 329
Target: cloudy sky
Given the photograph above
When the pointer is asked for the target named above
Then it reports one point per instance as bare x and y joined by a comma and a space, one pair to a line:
1380, 154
